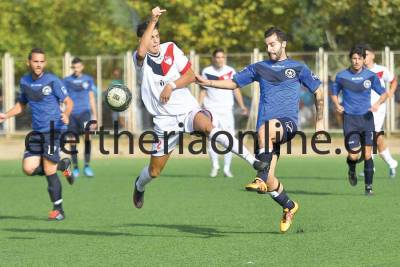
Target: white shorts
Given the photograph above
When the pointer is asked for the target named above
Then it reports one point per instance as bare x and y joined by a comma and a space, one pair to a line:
164, 125
379, 118
223, 119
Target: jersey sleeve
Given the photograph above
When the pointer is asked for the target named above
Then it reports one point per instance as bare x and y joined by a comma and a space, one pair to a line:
336, 86
59, 89
376, 85
181, 60
22, 98
388, 76
309, 80
245, 76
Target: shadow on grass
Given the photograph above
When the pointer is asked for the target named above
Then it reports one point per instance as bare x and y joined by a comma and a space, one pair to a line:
181, 175
24, 218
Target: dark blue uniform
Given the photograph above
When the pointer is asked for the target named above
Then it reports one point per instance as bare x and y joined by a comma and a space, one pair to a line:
78, 89
44, 96
280, 89
358, 121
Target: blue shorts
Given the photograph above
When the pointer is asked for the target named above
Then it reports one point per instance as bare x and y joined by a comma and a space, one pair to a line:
289, 129
358, 130
40, 144
77, 122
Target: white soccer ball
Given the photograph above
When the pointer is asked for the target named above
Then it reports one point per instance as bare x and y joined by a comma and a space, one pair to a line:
118, 97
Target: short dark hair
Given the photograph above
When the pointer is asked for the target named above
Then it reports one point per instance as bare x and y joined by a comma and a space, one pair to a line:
282, 37
218, 50
35, 50
141, 28
357, 49
76, 60
367, 47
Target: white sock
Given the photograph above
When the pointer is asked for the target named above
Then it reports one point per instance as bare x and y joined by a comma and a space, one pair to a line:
227, 161
144, 179
213, 156
223, 140
387, 157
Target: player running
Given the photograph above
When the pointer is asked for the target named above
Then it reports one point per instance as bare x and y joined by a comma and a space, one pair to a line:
385, 76
280, 80
165, 74
220, 103
81, 89
356, 84
44, 92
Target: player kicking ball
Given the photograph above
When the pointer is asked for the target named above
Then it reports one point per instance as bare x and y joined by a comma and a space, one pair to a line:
356, 84
44, 92
280, 80
166, 73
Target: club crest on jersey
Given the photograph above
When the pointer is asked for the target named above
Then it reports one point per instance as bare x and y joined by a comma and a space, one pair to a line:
85, 85
168, 60
314, 76
290, 73
46, 90
367, 84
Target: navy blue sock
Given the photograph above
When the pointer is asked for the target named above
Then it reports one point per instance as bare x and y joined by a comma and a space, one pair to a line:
368, 171
88, 149
352, 164
74, 156
282, 198
38, 171
55, 190
264, 157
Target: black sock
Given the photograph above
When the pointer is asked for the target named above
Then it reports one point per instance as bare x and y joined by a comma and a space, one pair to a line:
264, 157
88, 148
55, 191
74, 156
368, 171
352, 164
282, 199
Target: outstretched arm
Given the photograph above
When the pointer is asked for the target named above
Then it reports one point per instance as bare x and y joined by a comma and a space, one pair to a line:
393, 88
183, 81
14, 111
239, 99
221, 84
146, 38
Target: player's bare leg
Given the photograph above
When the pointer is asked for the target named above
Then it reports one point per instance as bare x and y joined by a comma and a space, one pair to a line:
33, 166
202, 123
148, 173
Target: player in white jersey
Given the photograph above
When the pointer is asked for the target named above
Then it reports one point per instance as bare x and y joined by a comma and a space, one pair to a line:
220, 103
165, 73
385, 76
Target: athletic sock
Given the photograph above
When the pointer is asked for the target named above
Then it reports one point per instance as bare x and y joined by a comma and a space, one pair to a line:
352, 164
281, 198
74, 156
368, 171
387, 157
264, 157
213, 156
55, 190
38, 171
144, 179
88, 149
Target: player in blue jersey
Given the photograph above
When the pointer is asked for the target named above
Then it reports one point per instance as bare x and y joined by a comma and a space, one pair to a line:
356, 83
280, 80
81, 89
44, 92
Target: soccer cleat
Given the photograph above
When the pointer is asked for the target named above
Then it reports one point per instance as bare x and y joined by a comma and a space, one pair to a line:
76, 173
392, 170
368, 190
88, 171
66, 170
138, 197
228, 173
214, 172
56, 215
352, 178
287, 217
257, 185
260, 165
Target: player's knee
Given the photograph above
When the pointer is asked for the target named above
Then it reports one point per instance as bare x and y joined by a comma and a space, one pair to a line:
154, 172
28, 170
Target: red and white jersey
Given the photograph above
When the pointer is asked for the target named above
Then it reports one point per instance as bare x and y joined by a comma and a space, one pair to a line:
158, 71
385, 76
218, 98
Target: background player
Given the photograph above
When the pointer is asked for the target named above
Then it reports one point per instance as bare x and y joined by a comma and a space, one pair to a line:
385, 76
81, 89
44, 92
220, 103
165, 73
356, 83
280, 80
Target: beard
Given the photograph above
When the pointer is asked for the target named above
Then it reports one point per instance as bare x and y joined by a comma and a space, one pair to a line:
277, 54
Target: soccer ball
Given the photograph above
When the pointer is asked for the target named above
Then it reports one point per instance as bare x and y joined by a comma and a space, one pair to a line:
118, 97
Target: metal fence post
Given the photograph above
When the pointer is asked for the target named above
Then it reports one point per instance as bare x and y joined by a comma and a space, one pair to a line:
130, 80
66, 71
255, 93
386, 62
8, 91
194, 88
100, 91
392, 108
